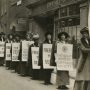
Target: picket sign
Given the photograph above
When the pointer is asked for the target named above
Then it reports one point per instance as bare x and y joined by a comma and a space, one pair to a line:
35, 57
25, 50
2, 49
63, 57
47, 50
8, 52
15, 51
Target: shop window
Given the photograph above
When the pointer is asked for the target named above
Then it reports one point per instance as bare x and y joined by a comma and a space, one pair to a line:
74, 9
56, 15
69, 22
63, 12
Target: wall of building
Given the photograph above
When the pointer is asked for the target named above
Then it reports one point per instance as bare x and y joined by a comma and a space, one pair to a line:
13, 15
49, 7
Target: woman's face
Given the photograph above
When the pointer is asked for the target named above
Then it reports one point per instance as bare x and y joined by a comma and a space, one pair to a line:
63, 37
28, 37
49, 37
11, 37
17, 38
3, 36
85, 35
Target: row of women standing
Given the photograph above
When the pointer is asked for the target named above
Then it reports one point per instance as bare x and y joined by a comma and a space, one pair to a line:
25, 68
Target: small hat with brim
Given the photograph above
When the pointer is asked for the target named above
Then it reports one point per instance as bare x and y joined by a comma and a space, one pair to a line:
36, 36
85, 29
61, 33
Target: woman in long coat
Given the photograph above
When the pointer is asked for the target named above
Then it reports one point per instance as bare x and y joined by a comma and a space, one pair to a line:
62, 78
9, 40
14, 64
34, 73
83, 69
2, 39
47, 72
24, 67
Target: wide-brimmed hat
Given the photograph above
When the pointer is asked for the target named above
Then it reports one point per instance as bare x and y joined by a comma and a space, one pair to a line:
29, 33
36, 36
2, 33
61, 33
85, 29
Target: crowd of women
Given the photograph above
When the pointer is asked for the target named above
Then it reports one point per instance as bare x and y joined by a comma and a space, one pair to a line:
62, 79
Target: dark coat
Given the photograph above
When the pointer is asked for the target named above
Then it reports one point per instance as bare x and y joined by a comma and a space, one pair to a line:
83, 70
1, 39
41, 54
30, 55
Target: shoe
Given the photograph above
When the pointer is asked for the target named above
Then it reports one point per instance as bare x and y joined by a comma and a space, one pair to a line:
59, 87
64, 87
45, 83
50, 83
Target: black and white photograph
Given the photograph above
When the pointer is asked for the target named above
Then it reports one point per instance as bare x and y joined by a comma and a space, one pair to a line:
44, 44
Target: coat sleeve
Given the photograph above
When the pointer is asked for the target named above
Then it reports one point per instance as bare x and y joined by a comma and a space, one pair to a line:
84, 49
52, 61
83, 57
41, 55
30, 57
20, 52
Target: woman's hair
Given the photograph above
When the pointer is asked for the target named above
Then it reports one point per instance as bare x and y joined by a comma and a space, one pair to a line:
46, 34
63, 33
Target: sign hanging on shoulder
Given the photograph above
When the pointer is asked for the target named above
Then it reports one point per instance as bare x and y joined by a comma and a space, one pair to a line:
35, 57
8, 52
25, 50
64, 59
15, 51
47, 50
2, 49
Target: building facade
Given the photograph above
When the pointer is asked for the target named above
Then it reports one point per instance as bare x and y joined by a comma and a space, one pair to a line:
57, 15
41, 16
14, 15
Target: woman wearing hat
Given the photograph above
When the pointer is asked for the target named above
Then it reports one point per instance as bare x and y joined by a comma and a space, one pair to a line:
62, 78
14, 39
34, 73
24, 66
2, 39
17, 64
83, 69
9, 40
47, 72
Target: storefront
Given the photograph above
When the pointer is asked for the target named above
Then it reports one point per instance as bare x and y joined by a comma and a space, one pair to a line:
58, 15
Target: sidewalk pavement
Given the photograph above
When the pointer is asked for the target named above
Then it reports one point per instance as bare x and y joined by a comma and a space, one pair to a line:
13, 81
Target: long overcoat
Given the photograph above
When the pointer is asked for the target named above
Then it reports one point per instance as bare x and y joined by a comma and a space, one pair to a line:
83, 69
